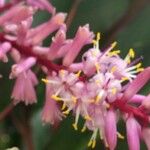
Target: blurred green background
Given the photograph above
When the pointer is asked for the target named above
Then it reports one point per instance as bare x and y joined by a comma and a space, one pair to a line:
124, 21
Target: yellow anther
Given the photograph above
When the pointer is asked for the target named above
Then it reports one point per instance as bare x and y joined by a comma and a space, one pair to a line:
75, 126
98, 36
45, 80
138, 65
120, 136
113, 44
63, 106
139, 69
114, 53
131, 53
114, 90
87, 117
62, 72
128, 61
124, 79
97, 82
113, 69
94, 42
83, 129
66, 112
93, 143
97, 67
90, 143
94, 52
56, 98
98, 98
78, 73
74, 99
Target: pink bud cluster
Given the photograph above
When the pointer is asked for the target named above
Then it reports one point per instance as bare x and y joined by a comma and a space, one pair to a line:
102, 88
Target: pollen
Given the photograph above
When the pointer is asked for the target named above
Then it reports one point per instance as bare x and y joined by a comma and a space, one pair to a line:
75, 126
87, 117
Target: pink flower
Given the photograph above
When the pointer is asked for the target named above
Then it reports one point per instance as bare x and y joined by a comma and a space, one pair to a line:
51, 113
23, 90
37, 35
82, 37
22, 66
16, 14
42, 4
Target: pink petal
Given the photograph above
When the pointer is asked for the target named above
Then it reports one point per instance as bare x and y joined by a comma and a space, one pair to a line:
137, 84
82, 37
132, 127
111, 129
146, 136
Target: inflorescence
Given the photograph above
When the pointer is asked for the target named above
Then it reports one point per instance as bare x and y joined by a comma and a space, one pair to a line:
102, 88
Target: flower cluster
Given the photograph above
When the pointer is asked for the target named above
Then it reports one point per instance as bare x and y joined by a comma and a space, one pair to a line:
101, 89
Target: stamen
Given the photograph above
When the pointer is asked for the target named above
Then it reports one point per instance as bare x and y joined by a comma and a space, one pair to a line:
114, 91
113, 45
83, 129
124, 79
74, 99
45, 80
120, 136
49, 81
62, 72
114, 53
131, 53
78, 73
96, 42
98, 98
113, 69
92, 141
63, 106
97, 67
75, 126
56, 98
66, 112
97, 82
87, 117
